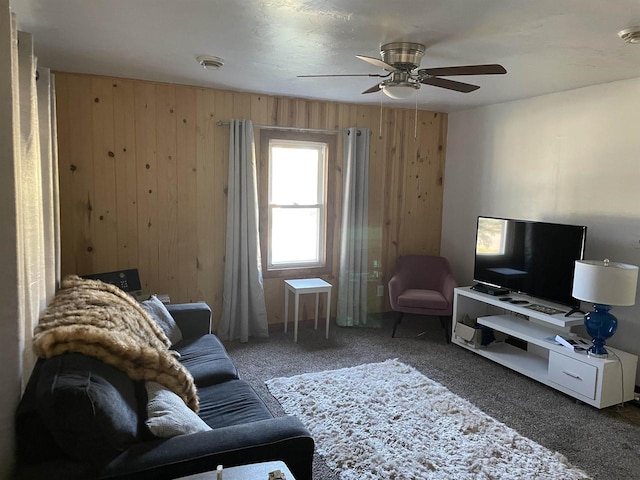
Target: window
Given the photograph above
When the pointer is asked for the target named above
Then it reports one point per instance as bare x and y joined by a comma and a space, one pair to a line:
295, 214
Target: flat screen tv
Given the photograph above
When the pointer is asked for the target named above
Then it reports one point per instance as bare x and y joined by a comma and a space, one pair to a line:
534, 258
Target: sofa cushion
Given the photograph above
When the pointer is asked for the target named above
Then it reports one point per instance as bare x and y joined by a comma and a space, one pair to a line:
89, 407
34, 442
168, 415
206, 359
157, 310
231, 403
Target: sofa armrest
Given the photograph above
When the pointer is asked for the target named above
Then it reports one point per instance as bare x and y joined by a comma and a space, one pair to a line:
281, 438
194, 319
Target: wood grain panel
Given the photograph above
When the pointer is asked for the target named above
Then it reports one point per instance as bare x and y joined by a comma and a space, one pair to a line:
187, 194
104, 230
69, 252
79, 160
147, 175
207, 242
167, 186
126, 178
163, 193
224, 112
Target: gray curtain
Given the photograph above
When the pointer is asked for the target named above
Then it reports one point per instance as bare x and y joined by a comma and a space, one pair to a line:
244, 313
352, 294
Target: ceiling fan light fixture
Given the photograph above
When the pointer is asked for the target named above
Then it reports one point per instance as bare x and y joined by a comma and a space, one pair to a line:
399, 90
209, 62
630, 35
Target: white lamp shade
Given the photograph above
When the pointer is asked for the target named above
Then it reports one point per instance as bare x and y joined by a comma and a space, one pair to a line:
604, 282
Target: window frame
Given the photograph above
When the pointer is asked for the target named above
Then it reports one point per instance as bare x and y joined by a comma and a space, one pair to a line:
266, 136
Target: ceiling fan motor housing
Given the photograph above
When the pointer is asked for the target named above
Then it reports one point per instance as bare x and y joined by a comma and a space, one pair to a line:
401, 78
402, 55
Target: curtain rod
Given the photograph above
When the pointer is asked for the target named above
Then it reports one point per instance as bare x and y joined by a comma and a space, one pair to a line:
294, 129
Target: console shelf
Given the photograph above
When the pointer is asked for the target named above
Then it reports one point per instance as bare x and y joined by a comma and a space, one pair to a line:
596, 381
519, 327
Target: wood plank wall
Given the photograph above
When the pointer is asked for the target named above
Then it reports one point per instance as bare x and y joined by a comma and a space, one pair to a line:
143, 175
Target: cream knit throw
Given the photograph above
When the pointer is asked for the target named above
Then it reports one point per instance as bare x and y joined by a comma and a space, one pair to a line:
100, 320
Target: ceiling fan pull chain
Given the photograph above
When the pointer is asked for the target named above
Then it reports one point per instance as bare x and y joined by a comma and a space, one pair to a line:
415, 120
380, 127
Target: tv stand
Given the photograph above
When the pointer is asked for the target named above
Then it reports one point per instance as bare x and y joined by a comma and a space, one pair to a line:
595, 381
489, 290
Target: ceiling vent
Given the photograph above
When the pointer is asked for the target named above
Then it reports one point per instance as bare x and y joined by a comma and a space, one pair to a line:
209, 62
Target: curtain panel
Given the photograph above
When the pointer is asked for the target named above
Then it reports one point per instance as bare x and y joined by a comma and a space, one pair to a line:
36, 193
29, 240
353, 274
244, 313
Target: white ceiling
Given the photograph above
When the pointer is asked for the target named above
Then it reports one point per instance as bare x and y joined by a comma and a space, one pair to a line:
545, 45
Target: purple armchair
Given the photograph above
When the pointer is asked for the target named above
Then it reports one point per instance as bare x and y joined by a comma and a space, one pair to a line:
423, 284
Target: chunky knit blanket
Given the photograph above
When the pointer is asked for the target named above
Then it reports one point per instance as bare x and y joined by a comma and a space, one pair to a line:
100, 320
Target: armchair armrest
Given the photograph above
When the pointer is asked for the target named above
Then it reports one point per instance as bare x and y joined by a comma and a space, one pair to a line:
448, 284
396, 287
194, 319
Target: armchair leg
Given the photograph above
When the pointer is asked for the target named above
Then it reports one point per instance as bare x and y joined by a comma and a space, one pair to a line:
445, 321
395, 325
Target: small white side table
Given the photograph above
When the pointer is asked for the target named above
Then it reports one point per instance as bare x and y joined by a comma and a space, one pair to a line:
298, 287
257, 471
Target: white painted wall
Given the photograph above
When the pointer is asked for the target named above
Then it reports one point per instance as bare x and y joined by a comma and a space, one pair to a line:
571, 157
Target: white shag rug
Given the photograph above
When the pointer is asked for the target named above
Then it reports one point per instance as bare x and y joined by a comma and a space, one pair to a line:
388, 421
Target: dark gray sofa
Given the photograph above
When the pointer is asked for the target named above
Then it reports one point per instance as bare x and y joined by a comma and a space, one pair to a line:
94, 426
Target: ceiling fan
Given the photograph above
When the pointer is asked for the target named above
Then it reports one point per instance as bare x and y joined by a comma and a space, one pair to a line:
401, 59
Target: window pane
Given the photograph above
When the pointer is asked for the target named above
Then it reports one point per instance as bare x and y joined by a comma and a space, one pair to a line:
295, 236
294, 176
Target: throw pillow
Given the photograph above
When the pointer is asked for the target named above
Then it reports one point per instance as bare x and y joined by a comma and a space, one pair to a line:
168, 415
163, 318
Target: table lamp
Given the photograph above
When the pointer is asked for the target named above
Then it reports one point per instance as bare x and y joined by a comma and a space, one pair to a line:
603, 283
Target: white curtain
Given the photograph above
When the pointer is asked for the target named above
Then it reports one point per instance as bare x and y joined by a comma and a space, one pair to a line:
352, 294
37, 192
29, 237
244, 313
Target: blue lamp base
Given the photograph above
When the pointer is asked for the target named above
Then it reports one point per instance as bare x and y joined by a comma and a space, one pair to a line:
600, 325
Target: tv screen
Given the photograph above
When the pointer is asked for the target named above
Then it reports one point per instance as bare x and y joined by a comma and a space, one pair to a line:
535, 258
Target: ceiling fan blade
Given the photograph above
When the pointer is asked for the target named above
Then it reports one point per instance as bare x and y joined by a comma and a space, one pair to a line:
491, 69
375, 88
449, 84
344, 75
378, 63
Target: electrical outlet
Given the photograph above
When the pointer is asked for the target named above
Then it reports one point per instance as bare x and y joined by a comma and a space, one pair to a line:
380, 291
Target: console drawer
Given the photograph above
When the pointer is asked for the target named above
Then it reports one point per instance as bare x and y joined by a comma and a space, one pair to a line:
573, 374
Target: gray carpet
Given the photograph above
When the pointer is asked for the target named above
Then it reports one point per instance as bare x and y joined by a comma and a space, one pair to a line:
604, 443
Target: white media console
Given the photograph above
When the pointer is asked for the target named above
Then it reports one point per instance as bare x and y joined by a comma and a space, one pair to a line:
596, 381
